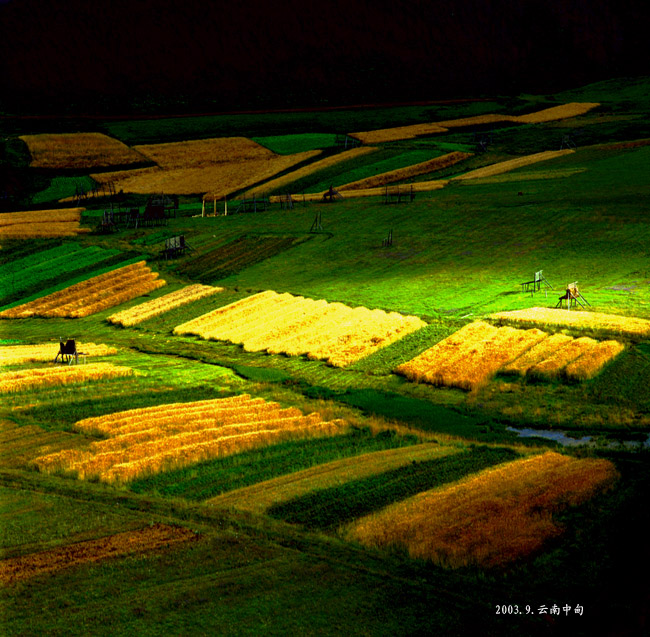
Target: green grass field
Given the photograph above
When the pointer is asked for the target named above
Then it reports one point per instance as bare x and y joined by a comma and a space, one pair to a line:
458, 255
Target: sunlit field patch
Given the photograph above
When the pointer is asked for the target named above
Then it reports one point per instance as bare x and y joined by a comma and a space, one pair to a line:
46, 376
512, 164
42, 352
489, 519
139, 313
169, 436
620, 325
92, 295
283, 323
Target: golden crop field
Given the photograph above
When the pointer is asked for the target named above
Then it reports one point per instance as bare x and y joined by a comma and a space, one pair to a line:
139, 313
536, 354
564, 111
42, 352
591, 362
551, 367
315, 166
155, 439
214, 181
79, 150
64, 375
512, 164
422, 168
33, 224
260, 497
92, 295
620, 325
200, 153
492, 518
283, 323
23, 443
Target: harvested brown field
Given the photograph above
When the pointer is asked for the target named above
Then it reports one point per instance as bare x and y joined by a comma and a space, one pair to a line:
33, 224
260, 497
624, 326
149, 538
400, 174
489, 519
234, 257
214, 181
204, 152
512, 164
79, 150
281, 182
92, 295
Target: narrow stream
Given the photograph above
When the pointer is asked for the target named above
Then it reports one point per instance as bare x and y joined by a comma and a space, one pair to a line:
567, 441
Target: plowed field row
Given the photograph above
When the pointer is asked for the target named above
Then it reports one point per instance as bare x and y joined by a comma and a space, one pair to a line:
282, 323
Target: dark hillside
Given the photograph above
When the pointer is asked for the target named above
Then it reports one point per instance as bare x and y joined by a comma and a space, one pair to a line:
123, 56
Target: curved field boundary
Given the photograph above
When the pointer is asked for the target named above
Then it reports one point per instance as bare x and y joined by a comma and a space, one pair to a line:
294, 325
139, 313
260, 497
512, 164
400, 174
43, 352
92, 295
624, 326
489, 519
169, 436
79, 150
150, 538
564, 111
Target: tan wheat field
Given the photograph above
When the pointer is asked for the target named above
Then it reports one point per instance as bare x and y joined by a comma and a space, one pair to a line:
551, 367
145, 441
42, 352
200, 153
591, 362
79, 150
283, 323
92, 295
46, 376
620, 325
512, 164
400, 174
33, 224
214, 181
489, 519
139, 313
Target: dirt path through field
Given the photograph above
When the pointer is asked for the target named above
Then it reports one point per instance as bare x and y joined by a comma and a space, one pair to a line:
149, 538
